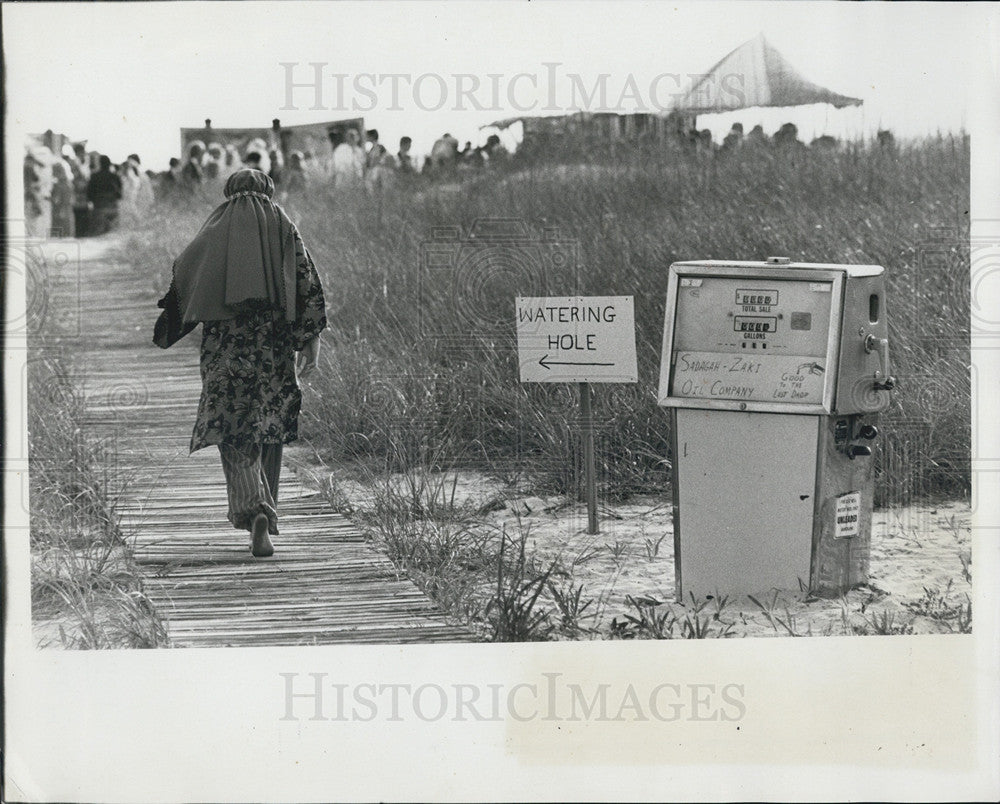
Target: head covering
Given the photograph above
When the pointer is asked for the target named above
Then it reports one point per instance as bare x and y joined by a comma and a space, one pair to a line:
245, 252
62, 172
40, 154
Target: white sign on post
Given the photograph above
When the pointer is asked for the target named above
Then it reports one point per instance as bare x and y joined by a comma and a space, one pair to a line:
576, 338
848, 513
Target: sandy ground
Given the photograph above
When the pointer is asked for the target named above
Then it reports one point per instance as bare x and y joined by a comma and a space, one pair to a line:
912, 548
920, 564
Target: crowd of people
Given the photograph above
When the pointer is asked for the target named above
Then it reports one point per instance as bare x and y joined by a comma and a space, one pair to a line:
353, 163
786, 137
77, 193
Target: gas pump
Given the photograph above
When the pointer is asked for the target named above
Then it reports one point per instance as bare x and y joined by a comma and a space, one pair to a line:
774, 373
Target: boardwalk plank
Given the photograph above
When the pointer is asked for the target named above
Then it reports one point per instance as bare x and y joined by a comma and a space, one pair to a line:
323, 586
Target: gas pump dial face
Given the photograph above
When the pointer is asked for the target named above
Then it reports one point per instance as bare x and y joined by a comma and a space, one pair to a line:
747, 339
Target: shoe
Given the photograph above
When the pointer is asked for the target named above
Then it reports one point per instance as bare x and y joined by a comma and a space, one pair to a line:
260, 544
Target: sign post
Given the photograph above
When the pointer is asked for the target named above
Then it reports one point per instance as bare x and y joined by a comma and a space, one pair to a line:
588, 457
578, 339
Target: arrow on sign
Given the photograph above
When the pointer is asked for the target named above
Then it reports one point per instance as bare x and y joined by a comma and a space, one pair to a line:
545, 363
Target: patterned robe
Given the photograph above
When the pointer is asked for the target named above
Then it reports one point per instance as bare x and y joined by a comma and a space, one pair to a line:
249, 392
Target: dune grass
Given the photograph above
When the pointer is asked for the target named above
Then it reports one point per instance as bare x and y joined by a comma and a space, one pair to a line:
420, 372
426, 355
85, 588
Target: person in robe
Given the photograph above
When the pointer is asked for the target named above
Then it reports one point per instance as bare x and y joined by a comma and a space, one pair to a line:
38, 191
734, 139
250, 281
254, 161
375, 151
63, 221
444, 154
496, 154
193, 172
259, 147
380, 167
295, 175
277, 171
168, 184
104, 192
404, 160
215, 161
146, 195
129, 175
349, 161
756, 138
232, 159
787, 137
81, 177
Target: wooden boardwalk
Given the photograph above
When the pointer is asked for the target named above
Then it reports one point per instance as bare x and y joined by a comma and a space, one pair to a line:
324, 585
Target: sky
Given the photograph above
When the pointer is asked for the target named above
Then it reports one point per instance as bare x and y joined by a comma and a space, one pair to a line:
128, 76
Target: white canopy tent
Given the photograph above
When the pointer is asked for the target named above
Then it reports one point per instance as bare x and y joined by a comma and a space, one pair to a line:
757, 76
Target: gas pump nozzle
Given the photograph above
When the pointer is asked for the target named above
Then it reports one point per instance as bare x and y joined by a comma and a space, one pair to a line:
883, 382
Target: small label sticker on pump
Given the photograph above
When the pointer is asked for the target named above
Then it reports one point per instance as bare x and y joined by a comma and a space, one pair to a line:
848, 512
